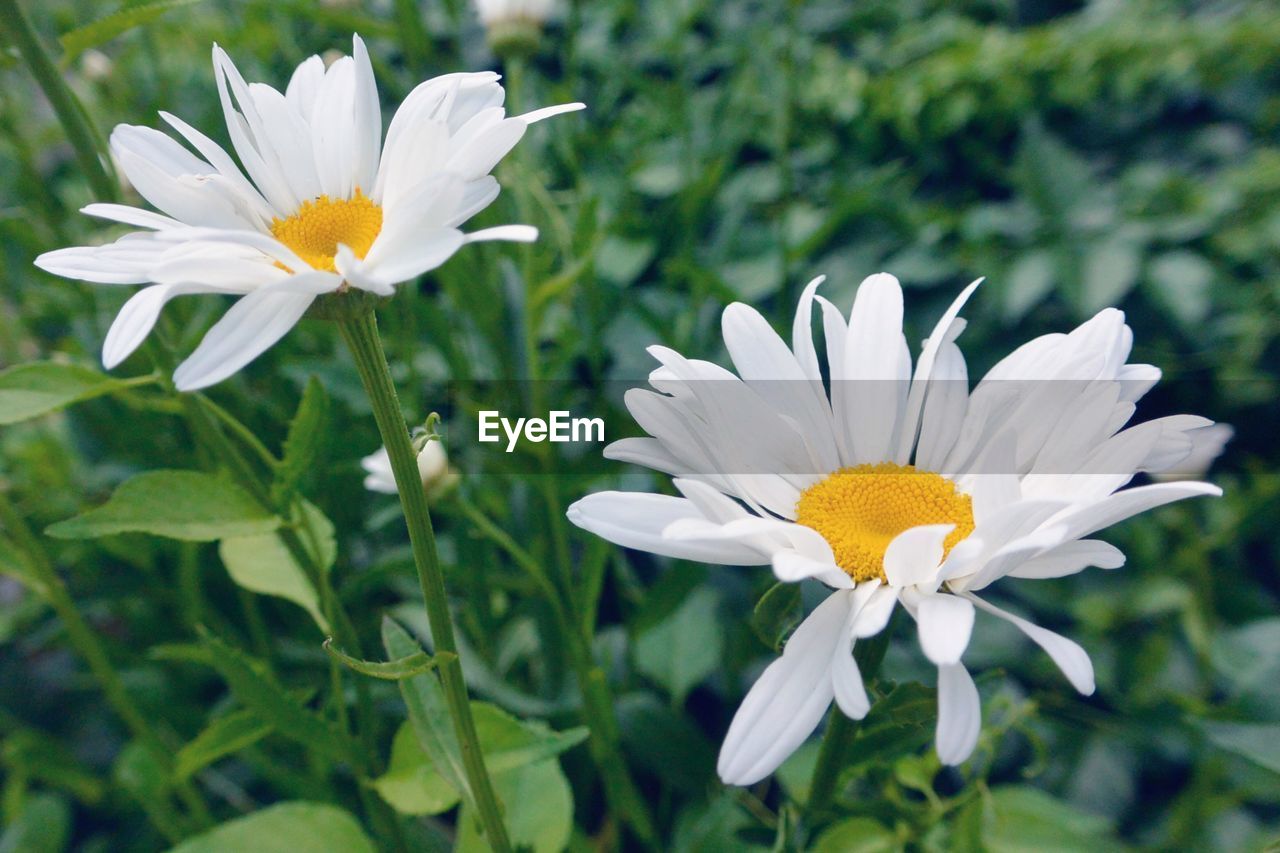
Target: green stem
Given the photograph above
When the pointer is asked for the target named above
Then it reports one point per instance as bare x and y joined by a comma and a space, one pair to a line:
840, 729
86, 642
361, 334
86, 141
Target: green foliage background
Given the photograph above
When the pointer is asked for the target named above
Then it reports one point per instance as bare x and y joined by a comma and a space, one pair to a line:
1077, 155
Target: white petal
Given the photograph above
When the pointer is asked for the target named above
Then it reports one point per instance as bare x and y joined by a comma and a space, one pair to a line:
914, 555
1070, 558
548, 112
1128, 503
366, 114
945, 625
130, 215
1067, 654
637, 520
959, 714
513, 233
249, 328
877, 368
874, 615
406, 261
788, 700
138, 316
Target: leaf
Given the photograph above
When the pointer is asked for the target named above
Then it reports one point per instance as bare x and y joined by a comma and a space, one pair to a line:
17, 565
272, 704
222, 737
42, 826
1029, 281
187, 505
776, 613
1256, 742
667, 744
103, 30
305, 443
1180, 280
396, 670
856, 835
285, 828
520, 757
1110, 270
411, 784
538, 810
428, 712
263, 564
41, 387
1023, 818
685, 648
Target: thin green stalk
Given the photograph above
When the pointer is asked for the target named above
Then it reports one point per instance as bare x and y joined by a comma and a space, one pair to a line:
361, 334
86, 642
841, 730
18, 31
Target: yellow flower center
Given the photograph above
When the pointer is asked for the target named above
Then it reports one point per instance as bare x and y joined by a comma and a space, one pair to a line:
860, 510
320, 224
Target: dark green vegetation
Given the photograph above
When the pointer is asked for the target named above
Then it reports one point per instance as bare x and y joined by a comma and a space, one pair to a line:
1121, 154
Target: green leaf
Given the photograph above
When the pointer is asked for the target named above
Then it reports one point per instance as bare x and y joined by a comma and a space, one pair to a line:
856, 835
187, 505
103, 30
42, 826
40, 387
411, 784
396, 670
263, 564
305, 443
509, 743
1110, 271
1029, 281
1256, 742
285, 828
538, 810
272, 704
776, 613
428, 712
17, 565
222, 737
685, 648
1023, 818
1180, 280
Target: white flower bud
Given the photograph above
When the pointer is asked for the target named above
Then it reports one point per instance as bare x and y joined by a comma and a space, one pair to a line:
433, 468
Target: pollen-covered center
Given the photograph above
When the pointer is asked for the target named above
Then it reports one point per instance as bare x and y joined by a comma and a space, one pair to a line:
320, 224
860, 510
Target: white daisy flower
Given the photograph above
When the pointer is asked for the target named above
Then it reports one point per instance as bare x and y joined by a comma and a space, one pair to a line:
323, 202
433, 468
893, 487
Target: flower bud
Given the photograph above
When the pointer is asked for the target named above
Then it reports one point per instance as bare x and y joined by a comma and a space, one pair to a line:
433, 468
513, 27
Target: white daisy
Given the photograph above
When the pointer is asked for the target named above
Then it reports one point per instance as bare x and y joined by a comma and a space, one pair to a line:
433, 468
892, 487
323, 202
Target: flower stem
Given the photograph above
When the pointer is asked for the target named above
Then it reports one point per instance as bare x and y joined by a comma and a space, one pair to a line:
361, 334
840, 729
18, 31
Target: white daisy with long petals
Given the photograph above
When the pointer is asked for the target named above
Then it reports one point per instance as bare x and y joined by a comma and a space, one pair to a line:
891, 486
319, 202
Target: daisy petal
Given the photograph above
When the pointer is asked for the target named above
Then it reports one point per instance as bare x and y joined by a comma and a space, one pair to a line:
914, 555
1067, 654
637, 520
249, 328
959, 714
945, 624
788, 700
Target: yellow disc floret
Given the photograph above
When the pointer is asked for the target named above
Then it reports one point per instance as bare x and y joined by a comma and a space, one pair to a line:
320, 224
860, 510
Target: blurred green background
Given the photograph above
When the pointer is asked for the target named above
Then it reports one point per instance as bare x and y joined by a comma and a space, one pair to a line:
1077, 155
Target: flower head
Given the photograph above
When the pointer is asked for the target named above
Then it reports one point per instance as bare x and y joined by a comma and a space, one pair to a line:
892, 486
319, 202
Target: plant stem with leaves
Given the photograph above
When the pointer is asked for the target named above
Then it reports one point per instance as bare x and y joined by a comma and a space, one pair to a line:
361, 333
